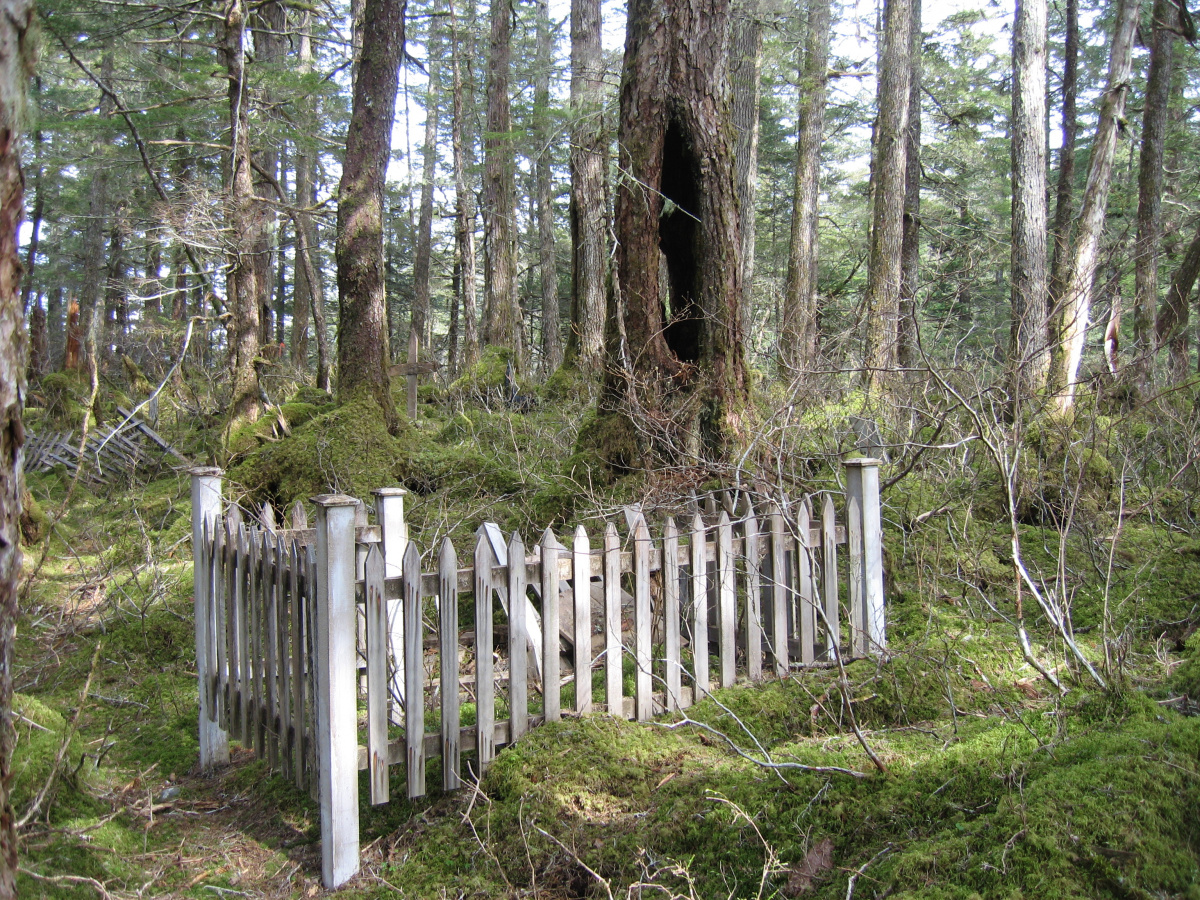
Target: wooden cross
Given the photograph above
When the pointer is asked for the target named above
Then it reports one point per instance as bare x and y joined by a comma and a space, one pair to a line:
411, 370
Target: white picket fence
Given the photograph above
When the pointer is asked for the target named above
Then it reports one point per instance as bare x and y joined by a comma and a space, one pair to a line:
306, 638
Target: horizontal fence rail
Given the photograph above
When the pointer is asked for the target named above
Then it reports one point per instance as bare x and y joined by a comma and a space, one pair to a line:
339, 648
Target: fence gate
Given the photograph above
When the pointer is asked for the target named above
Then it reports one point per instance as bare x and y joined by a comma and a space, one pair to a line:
327, 649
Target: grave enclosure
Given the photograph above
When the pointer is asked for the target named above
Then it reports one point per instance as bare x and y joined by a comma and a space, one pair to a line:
327, 650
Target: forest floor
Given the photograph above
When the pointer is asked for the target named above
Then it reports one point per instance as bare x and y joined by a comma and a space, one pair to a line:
996, 784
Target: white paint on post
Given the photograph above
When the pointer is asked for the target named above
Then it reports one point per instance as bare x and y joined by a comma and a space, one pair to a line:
551, 669
829, 579
613, 696
854, 550
377, 677
414, 672
448, 621
644, 695
670, 580
699, 609
518, 641
872, 552
485, 683
581, 580
206, 510
336, 697
779, 603
808, 631
726, 601
393, 530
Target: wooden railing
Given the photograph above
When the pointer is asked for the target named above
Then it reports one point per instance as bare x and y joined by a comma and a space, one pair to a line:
301, 634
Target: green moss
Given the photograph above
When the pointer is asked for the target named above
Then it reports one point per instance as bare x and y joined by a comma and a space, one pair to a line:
485, 381
64, 395
347, 449
607, 447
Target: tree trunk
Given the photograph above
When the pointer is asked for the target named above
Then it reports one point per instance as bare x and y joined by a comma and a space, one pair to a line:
241, 282
54, 328
270, 23
464, 206
1064, 205
745, 75
502, 326
1150, 186
1077, 296
420, 312
552, 352
589, 215
35, 222
680, 365
362, 332
882, 301
1171, 328
91, 288
1028, 359
16, 64
799, 336
910, 242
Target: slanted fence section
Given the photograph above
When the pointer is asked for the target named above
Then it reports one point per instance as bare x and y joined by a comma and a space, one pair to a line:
339, 648
109, 454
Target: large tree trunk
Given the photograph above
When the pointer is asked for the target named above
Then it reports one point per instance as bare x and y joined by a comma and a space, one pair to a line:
552, 352
362, 332
419, 315
1150, 186
35, 223
799, 337
745, 76
241, 281
1171, 328
16, 63
502, 326
589, 255
1028, 359
1064, 205
1077, 295
270, 22
464, 205
910, 242
882, 301
680, 366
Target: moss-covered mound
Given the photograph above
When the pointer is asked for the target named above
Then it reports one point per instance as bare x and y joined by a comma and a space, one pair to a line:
347, 450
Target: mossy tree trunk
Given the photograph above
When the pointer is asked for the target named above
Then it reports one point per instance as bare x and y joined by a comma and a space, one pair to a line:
678, 368
362, 335
16, 52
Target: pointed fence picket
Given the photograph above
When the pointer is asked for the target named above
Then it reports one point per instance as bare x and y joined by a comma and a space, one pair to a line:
306, 637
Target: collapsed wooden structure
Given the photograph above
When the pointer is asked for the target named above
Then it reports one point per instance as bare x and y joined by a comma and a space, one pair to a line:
306, 637
108, 454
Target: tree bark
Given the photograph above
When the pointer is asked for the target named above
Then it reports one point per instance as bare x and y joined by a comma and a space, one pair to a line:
1150, 186
1171, 328
91, 288
589, 216
799, 342
1077, 296
1028, 357
420, 312
1064, 204
35, 223
362, 332
16, 63
241, 281
882, 301
910, 242
464, 204
269, 25
745, 75
679, 368
502, 326
552, 351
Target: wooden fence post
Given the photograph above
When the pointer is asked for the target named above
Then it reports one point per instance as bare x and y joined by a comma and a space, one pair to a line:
206, 510
393, 530
865, 529
336, 688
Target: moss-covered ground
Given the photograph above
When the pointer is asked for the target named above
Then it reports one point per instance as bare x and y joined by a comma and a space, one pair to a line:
996, 784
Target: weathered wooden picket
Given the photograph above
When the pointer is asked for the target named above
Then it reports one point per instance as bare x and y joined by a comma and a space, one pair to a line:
304, 635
